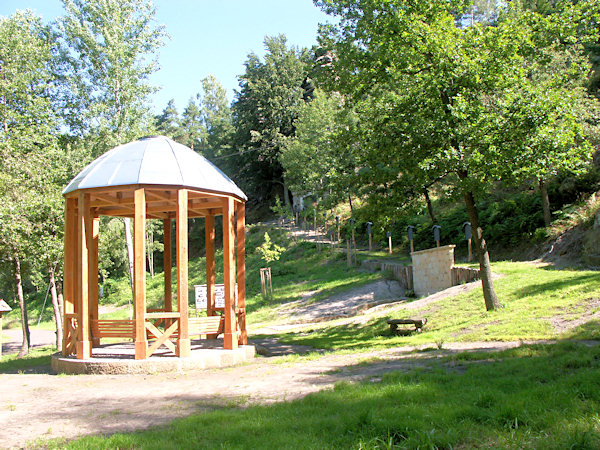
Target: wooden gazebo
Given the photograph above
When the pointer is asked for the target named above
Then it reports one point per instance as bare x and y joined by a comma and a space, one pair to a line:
152, 178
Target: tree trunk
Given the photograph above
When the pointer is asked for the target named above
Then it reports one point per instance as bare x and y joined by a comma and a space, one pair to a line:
130, 256
286, 196
24, 319
55, 307
545, 202
429, 205
485, 271
351, 207
150, 238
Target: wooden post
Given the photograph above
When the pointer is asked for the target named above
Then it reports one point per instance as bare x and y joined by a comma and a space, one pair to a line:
69, 277
241, 271
93, 273
412, 247
139, 270
370, 242
348, 254
390, 242
209, 233
230, 335
183, 340
470, 251
84, 228
167, 265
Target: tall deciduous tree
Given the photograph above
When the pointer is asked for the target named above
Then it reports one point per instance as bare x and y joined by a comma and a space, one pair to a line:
28, 132
431, 95
264, 111
112, 48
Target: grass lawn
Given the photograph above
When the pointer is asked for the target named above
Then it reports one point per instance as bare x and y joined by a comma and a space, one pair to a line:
36, 357
531, 295
538, 396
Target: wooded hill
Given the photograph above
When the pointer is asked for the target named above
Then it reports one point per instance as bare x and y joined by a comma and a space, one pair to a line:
400, 106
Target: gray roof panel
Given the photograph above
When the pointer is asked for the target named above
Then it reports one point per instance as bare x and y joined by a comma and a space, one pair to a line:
156, 160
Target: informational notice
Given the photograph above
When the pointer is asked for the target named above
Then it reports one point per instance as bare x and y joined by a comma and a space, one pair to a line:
201, 296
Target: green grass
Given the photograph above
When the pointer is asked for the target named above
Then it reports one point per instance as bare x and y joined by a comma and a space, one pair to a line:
531, 296
540, 396
36, 357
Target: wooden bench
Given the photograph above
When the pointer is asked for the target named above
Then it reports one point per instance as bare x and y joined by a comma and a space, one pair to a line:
418, 323
206, 325
118, 328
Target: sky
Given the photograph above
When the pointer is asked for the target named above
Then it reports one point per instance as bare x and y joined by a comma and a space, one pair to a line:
208, 37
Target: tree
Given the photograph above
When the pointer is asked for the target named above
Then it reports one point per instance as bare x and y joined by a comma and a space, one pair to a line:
168, 122
28, 131
264, 111
431, 96
316, 160
111, 46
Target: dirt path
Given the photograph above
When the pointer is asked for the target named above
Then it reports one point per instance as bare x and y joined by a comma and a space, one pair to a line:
45, 406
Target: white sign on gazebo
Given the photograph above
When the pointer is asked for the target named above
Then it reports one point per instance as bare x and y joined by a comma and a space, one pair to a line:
201, 302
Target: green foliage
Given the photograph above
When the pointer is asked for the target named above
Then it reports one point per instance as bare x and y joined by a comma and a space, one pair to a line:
264, 112
269, 251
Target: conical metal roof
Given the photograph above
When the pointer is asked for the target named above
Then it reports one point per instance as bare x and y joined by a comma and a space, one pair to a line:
154, 161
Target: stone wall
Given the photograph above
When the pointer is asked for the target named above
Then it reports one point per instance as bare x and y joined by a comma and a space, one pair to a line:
432, 269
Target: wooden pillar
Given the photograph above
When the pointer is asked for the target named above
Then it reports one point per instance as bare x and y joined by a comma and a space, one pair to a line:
209, 232
167, 265
93, 274
69, 277
183, 341
241, 271
139, 271
230, 335
84, 234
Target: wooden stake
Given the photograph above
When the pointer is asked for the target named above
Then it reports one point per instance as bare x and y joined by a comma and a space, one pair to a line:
412, 247
230, 334
470, 252
370, 243
390, 243
139, 270
348, 254
181, 216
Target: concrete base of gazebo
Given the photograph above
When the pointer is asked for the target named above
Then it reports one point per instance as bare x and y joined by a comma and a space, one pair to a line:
120, 359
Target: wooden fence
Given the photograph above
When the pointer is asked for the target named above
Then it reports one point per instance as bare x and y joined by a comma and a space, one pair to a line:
461, 275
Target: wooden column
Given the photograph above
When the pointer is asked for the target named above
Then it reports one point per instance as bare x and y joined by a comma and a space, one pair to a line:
139, 270
93, 274
167, 265
209, 233
69, 277
241, 271
84, 234
183, 341
230, 335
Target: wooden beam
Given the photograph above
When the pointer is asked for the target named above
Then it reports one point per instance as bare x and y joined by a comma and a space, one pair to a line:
93, 274
70, 267
84, 232
139, 264
209, 234
241, 270
183, 340
230, 335
167, 264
